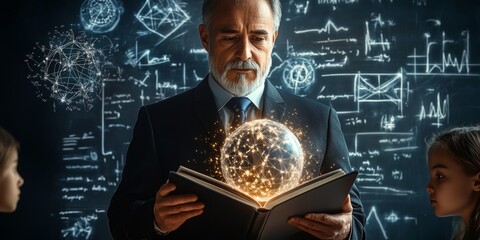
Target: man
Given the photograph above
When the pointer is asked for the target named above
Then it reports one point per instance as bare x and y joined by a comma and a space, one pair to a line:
188, 129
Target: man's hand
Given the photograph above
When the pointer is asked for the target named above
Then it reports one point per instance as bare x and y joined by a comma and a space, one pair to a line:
327, 226
171, 211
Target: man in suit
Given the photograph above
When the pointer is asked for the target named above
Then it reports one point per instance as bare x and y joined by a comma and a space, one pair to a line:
189, 129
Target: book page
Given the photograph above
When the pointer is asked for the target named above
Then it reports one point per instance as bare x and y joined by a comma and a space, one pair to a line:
218, 186
304, 187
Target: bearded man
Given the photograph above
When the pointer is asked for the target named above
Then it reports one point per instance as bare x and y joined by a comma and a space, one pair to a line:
188, 129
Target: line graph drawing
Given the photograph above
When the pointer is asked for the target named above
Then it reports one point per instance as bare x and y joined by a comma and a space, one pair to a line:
135, 58
438, 111
328, 28
373, 217
331, 53
377, 46
448, 64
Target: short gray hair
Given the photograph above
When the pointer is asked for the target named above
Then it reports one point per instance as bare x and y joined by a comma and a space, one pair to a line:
209, 5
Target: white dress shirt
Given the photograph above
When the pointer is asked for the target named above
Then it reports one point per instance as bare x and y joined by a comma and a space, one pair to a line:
222, 96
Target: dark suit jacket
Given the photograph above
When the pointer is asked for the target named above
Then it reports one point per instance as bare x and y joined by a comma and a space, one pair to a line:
180, 131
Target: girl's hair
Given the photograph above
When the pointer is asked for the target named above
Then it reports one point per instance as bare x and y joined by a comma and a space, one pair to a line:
7, 143
464, 144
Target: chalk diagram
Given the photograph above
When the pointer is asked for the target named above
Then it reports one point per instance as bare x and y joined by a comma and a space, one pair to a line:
439, 59
298, 75
70, 69
100, 16
162, 18
360, 74
81, 229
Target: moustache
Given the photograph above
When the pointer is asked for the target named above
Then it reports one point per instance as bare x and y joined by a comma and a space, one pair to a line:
249, 64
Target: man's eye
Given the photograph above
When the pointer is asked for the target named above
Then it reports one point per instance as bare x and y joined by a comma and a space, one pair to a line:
259, 39
229, 38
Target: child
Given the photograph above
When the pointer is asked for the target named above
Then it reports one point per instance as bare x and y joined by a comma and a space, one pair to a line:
454, 186
10, 179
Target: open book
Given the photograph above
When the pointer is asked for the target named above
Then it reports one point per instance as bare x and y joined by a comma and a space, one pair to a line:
231, 213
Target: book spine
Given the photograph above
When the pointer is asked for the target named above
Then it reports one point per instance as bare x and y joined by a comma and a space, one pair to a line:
257, 224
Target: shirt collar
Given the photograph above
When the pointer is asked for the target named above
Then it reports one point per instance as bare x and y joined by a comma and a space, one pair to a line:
222, 96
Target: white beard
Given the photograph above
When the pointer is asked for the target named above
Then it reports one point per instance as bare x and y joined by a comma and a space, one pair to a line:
242, 86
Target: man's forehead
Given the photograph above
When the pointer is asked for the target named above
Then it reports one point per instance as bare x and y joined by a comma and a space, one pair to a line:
232, 23
238, 25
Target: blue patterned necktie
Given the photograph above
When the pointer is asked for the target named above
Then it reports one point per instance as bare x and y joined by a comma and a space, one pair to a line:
239, 106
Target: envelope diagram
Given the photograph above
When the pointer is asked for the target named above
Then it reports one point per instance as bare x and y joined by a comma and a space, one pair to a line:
379, 88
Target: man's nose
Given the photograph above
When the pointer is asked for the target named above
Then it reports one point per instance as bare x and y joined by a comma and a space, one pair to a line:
244, 49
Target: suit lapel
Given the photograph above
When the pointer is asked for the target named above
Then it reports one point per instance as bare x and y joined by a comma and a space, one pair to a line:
273, 106
211, 136
206, 110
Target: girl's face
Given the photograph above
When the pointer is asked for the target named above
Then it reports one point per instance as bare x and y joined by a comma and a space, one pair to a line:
451, 190
10, 183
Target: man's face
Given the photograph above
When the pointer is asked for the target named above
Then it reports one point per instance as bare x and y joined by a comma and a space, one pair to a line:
239, 41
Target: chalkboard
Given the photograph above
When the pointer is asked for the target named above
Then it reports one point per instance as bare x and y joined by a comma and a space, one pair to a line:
76, 72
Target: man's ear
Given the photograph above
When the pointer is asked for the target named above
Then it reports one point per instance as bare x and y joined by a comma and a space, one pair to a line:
275, 35
203, 30
476, 182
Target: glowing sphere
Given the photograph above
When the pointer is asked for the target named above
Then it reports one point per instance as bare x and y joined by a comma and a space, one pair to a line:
262, 158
